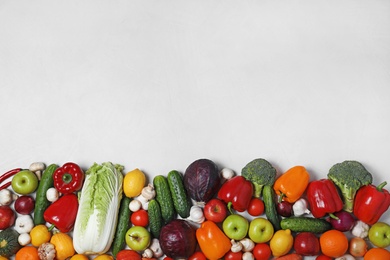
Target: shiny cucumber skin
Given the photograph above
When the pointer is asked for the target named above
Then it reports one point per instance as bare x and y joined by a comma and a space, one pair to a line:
41, 202
181, 201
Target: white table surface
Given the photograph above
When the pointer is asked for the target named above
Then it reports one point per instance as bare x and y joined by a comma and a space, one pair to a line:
158, 84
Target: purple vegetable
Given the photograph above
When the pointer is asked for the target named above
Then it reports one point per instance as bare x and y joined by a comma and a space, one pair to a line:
202, 180
342, 221
284, 208
178, 239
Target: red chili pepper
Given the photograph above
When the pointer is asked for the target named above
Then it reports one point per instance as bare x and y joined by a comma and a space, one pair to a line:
371, 202
323, 198
237, 193
7, 175
68, 178
62, 213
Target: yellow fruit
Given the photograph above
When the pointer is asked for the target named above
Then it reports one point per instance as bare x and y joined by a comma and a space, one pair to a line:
79, 257
3, 258
133, 183
281, 243
63, 244
104, 257
40, 234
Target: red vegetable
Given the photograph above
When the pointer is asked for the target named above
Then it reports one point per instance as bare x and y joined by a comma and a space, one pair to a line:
202, 180
371, 202
177, 239
68, 178
237, 193
127, 254
323, 198
7, 175
62, 213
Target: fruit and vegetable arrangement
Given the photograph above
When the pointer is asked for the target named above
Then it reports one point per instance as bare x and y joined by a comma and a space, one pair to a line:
103, 212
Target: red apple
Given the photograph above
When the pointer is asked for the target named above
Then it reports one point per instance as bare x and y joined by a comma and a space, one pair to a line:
7, 217
215, 210
307, 244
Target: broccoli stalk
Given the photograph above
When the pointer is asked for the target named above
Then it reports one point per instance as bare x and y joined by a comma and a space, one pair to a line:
260, 172
349, 177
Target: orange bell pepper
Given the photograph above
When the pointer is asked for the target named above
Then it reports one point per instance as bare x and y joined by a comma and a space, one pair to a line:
292, 184
212, 241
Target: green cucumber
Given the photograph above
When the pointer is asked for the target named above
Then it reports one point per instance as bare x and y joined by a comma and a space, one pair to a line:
181, 201
305, 224
41, 202
123, 225
155, 219
164, 198
269, 197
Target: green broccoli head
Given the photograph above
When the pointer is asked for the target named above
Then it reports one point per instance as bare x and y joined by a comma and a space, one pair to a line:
349, 176
260, 172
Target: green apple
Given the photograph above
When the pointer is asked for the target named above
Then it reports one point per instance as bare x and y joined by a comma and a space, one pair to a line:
25, 182
379, 234
261, 230
235, 226
138, 238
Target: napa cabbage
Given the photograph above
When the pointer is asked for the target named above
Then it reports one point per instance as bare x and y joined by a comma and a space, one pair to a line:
99, 203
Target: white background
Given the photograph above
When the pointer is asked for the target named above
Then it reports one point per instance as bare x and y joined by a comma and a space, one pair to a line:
159, 84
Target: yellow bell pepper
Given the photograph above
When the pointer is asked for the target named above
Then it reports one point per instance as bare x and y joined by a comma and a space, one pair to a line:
292, 184
212, 241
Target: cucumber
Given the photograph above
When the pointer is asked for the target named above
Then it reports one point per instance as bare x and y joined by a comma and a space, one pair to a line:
164, 198
181, 201
122, 226
305, 224
155, 219
270, 206
41, 202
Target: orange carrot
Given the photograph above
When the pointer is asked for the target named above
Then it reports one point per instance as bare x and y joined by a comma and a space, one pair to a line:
292, 256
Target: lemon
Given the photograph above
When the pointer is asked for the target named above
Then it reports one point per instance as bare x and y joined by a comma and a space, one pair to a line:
281, 243
133, 183
39, 234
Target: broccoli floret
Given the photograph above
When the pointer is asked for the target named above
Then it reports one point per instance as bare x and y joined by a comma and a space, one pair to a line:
260, 172
349, 176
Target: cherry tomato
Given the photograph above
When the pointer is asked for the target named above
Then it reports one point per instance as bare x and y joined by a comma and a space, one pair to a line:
233, 256
127, 254
323, 257
256, 207
262, 251
140, 218
197, 256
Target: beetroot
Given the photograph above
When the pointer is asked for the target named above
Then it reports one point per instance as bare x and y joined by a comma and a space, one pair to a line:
202, 180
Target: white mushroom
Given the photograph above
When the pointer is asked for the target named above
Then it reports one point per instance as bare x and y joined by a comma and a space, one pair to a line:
148, 253
52, 194
37, 168
24, 239
7, 197
236, 246
156, 248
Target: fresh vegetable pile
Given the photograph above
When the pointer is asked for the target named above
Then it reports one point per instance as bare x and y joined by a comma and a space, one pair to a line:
65, 212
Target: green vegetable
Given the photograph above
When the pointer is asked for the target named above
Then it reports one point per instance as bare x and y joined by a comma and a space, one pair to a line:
98, 209
41, 202
305, 224
122, 227
181, 201
155, 218
9, 242
260, 172
349, 176
269, 198
164, 198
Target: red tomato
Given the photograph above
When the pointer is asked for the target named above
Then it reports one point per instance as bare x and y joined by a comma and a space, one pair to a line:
197, 256
140, 218
256, 207
323, 257
233, 256
127, 254
262, 251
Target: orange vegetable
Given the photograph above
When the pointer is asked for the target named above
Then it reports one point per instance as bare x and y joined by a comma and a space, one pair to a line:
292, 256
292, 184
212, 241
63, 244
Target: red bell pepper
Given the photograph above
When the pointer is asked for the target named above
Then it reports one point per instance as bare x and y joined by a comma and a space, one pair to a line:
236, 193
62, 213
371, 202
323, 198
68, 178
